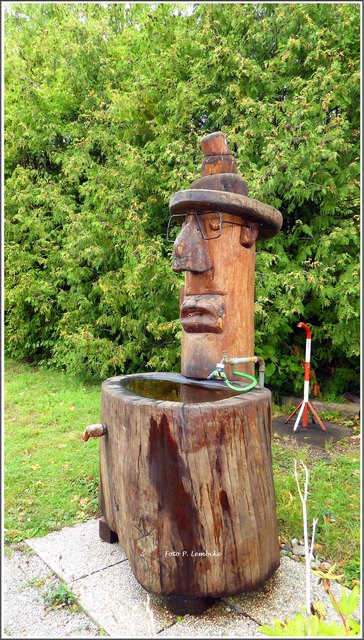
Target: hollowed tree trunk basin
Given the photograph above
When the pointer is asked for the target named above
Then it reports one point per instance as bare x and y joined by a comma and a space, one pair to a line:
187, 485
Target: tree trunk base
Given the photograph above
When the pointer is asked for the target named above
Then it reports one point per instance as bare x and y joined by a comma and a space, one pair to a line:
187, 485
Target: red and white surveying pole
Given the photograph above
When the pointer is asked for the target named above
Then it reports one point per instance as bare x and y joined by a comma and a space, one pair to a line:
305, 404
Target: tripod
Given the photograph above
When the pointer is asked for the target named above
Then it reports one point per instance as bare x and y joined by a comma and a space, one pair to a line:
305, 404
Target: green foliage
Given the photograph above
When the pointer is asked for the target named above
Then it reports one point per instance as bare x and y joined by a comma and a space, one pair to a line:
104, 109
61, 596
301, 627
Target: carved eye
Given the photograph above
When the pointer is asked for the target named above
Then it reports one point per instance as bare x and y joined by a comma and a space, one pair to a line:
214, 223
210, 224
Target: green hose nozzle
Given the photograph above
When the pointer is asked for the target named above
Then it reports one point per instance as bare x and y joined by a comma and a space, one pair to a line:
218, 374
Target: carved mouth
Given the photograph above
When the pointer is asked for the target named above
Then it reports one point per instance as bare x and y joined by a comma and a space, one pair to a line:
203, 314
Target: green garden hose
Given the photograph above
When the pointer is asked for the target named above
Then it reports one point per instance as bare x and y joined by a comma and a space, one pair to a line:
245, 375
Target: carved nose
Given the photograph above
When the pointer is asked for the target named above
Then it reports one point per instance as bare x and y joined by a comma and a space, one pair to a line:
191, 251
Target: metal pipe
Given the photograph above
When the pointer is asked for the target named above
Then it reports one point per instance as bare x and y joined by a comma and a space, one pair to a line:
261, 371
226, 360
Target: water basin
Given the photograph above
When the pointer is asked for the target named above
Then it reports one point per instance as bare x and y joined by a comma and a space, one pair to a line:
176, 390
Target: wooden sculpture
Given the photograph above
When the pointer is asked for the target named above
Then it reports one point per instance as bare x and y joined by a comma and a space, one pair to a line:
186, 486
217, 310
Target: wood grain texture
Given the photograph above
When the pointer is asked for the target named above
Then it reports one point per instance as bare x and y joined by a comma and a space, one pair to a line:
179, 480
229, 182
218, 164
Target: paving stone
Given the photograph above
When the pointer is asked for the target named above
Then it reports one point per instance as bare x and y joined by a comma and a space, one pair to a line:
26, 580
218, 621
75, 552
284, 595
101, 578
120, 605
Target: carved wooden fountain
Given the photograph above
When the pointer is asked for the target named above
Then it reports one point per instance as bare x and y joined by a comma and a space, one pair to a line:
186, 480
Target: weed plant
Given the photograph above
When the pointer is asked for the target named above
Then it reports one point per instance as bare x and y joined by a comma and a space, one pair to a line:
61, 596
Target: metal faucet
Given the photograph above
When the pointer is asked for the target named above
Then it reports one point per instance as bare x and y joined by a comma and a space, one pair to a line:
219, 370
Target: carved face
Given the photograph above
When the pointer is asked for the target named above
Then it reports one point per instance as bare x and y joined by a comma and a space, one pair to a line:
205, 247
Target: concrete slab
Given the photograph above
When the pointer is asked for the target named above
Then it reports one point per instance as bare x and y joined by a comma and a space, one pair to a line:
120, 605
284, 595
75, 552
101, 578
311, 435
219, 621
26, 581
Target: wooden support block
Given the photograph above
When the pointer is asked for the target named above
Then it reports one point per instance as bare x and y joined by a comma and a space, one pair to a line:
187, 605
105, 533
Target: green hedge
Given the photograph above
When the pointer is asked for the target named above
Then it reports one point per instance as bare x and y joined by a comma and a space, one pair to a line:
104, 110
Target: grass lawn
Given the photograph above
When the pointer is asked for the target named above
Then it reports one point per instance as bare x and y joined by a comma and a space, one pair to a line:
51, 474
333, 498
